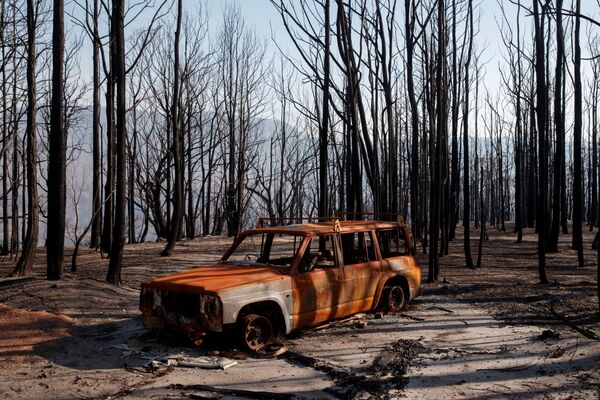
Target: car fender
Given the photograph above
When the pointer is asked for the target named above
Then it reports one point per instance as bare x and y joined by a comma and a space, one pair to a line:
278, 291
408, 268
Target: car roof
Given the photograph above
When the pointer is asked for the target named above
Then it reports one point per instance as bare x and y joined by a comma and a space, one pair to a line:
322, 228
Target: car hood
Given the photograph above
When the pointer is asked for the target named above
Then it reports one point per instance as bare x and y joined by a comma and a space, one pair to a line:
216, 278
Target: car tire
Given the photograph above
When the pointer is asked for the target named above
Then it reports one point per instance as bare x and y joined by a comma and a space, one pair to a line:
395, 299
256, 332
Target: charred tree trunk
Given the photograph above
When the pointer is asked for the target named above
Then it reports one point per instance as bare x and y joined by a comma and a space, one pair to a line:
519, 159
482, 215
440, 110
109, 185
455, 173
178, 203
559, 128
577, 190
118, 67
25, 263
96, 228
323, 128
14, 191
191, 214
542, 115
57, 143
466, 176
414, 120
5, 225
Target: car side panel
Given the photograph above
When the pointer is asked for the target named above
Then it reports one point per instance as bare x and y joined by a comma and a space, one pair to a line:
276, 290
361, 282
318, 296
406, 266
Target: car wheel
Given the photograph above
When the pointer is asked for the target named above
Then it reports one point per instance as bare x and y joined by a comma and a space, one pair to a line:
256, 331
395, 299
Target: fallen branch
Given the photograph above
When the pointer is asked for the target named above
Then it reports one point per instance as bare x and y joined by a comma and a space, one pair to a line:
11, 282
133, 387
251, 394
442, 309
330, 324
509, 369
585, 332
411, 317
340, 375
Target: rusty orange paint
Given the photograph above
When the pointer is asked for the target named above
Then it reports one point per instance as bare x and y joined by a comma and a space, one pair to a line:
213, 279
303, 298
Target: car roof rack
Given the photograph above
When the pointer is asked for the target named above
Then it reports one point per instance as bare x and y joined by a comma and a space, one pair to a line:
278, 221
394, 217
264, 222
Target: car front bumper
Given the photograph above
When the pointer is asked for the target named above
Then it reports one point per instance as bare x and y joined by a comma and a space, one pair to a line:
189, 312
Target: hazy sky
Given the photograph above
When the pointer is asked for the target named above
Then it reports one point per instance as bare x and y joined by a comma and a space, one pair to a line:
267, 22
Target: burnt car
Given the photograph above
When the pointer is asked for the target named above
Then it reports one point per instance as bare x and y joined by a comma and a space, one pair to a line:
284, 278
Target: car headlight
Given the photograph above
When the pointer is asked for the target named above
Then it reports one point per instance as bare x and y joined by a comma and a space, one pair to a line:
210, 305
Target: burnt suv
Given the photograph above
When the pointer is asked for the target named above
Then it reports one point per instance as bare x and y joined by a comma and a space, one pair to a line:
284, 278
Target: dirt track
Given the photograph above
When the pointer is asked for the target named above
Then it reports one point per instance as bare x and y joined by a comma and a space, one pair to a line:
471, 337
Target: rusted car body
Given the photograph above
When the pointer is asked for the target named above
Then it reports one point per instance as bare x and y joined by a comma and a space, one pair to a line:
288, 277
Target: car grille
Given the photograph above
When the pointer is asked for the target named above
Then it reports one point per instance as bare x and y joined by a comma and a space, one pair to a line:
181, 304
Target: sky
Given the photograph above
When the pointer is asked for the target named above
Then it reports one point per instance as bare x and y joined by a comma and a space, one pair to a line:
266, 20
262, 15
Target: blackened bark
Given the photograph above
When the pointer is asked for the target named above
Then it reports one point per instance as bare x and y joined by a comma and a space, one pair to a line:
482, 214
57, 144
323, 128
25, 262
519, 160
178, 203
118, 67
455, 173
542, 114
466, 166
109, 184
577, 213
440, 110
14, 191
559, 130
96, 228
414, 120
5, 226
191, 213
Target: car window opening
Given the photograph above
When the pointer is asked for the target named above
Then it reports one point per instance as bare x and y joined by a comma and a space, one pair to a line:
319, 254
274, 249
358, 248
392, 243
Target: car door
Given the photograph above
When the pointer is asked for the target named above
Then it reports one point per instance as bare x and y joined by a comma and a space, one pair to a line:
317, 283
397, 251
362, 271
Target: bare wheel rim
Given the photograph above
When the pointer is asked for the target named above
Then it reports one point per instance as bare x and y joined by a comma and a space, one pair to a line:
395, 298
257, 332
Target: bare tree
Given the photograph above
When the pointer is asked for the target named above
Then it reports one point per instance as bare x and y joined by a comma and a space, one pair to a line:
118, 68
577, 190
559, 130
96, 229
466, 177
178, 200
57, 151
4, 149
542, 114
25, 262
323, 128
74, 232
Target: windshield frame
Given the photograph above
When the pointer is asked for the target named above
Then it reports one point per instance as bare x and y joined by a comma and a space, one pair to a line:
262, 235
